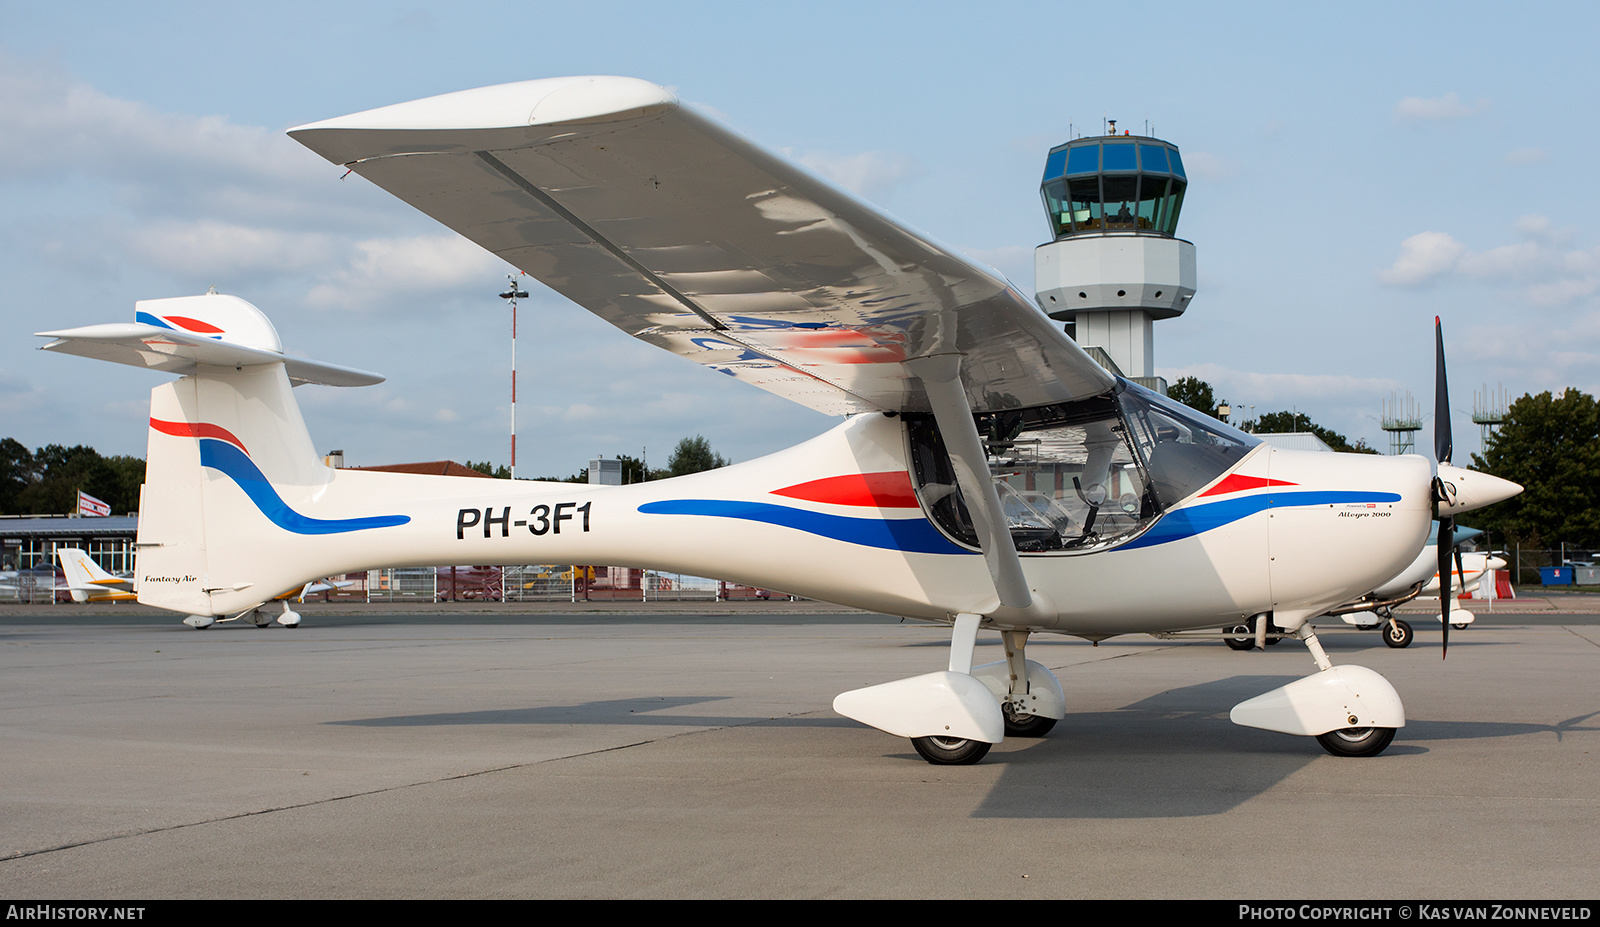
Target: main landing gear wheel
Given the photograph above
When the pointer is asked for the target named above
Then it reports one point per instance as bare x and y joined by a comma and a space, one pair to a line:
950, 751
1021, 725
1246, 642
1357, 741
1397, 634
1459, 627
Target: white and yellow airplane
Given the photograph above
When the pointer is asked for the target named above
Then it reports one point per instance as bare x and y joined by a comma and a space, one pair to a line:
87, 581
987, 473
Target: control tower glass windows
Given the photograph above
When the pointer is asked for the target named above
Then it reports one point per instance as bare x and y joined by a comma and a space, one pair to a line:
1113, 185
1118, 156
1084, 160
1152, 198
1084, 199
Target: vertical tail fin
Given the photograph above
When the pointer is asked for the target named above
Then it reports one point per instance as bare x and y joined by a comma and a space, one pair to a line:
226, 444
86, 580
219, 425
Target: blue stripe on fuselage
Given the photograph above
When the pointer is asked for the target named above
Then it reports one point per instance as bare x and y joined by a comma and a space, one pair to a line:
231, 462
1194, 520
919, 536
912, 535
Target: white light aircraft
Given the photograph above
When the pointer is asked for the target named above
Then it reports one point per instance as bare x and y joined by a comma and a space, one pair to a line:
988, 474
87, 581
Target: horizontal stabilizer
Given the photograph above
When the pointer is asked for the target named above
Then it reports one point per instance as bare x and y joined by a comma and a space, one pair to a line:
178, 344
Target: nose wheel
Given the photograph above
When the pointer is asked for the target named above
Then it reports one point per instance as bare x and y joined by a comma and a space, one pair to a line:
1397, 633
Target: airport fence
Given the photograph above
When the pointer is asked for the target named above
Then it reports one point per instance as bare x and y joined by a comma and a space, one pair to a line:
1561, 566
35, 587
533, 583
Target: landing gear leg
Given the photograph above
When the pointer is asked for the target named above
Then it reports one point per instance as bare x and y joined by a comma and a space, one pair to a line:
1019, 721
952, 716
1350, 710
955, 751
1348, 741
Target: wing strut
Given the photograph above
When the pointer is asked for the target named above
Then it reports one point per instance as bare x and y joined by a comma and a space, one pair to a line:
941, 378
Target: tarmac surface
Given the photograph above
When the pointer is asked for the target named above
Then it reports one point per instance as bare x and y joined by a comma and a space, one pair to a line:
689, 751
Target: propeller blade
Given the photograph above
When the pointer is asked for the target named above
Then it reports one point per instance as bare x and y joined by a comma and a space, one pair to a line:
1442, 445
1447, 530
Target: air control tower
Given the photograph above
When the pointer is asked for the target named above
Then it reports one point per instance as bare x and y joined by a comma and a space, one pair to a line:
1116, 264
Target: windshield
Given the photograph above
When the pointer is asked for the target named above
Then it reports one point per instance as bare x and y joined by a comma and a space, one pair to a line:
1080, 476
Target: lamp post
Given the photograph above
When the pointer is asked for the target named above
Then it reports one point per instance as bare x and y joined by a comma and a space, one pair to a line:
513, 294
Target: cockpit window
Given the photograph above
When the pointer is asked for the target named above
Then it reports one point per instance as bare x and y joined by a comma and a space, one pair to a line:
1183, 450
1081, 476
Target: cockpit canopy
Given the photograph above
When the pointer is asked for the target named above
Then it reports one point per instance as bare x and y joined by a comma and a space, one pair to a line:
1081, 476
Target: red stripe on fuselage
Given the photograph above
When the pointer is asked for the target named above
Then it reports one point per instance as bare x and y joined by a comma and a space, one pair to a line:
1238, 482
888, 490
197, 430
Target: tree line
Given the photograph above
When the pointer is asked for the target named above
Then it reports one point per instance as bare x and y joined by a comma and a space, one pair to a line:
1197, 394
692, 455
46, 481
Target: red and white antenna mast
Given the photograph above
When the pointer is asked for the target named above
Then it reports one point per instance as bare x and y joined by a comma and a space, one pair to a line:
513, 294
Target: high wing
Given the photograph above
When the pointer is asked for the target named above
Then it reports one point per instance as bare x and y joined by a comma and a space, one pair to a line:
687, 236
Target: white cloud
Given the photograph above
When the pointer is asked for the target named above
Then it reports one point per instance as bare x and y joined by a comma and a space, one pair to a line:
1552, 273
55, 124
870, 174
1540, 228
1522, 156
1551, 355
374, 272
1424, 258
1417, 110
208, 248
1279, 388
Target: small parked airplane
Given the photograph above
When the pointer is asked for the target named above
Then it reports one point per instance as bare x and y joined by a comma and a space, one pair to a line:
89, 582
1466, 577
1375, 610
988, 475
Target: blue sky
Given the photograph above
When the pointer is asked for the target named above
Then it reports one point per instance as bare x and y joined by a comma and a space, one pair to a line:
1355, 172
